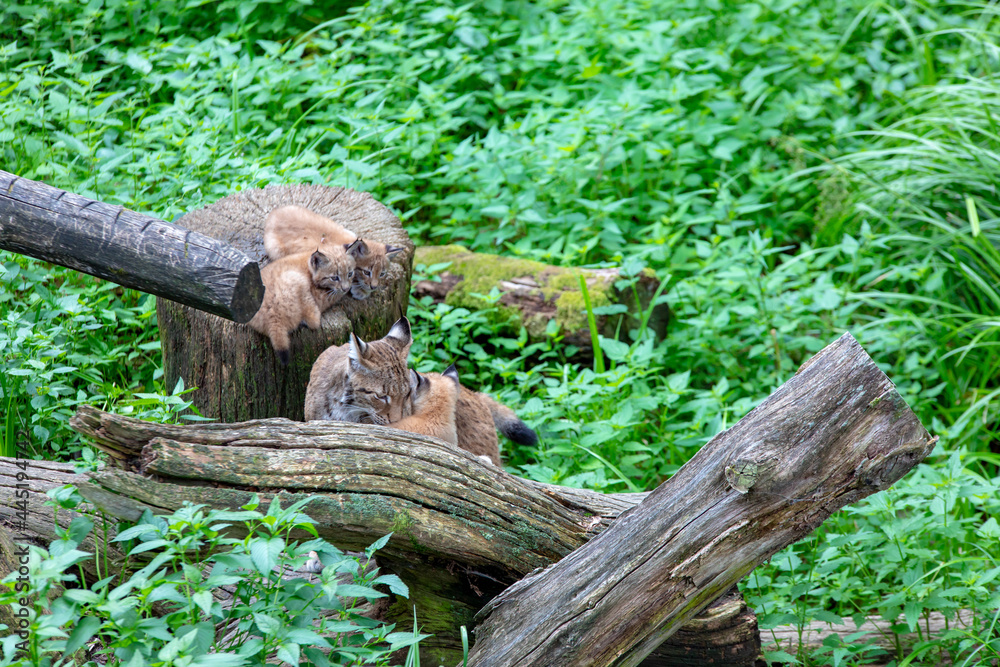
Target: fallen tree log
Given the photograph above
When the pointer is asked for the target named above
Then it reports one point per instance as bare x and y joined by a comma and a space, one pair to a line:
127, 248
538, 295
234, 368
834, 433
876, 630
445, 588
629, 570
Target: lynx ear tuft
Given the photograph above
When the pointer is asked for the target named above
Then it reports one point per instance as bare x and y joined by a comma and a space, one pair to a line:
392, 250
400, 331
422, 384
357, 249
452, 373
357, 350
318, 261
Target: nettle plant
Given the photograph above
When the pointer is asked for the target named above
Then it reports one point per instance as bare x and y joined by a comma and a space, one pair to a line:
165, 614
67, 339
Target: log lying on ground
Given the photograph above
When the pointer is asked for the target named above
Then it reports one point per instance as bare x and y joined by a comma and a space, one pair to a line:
536, 294
449, 576
237, 373
463, 531
874, 629
834, 433
127, 248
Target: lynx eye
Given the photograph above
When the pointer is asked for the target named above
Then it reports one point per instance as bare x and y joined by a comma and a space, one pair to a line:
351, 274
382, 275
368, 273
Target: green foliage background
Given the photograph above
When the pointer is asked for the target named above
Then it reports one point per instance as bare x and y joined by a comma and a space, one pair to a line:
790, 169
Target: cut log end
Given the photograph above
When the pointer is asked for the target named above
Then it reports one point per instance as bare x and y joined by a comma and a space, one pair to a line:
247, 295
128, 248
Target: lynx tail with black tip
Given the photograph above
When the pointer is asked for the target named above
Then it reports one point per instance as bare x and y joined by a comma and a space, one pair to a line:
511, 425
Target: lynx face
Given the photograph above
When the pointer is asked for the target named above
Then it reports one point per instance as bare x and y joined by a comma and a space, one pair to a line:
378, 382
372, 260
332, 271
362, 382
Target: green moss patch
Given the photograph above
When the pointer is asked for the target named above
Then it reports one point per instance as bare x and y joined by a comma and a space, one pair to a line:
481, 272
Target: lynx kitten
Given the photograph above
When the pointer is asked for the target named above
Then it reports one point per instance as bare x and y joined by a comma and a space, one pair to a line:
477, 420
434, 398
293, 229
298, 289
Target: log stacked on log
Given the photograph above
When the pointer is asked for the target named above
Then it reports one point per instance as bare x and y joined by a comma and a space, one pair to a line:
466, 534
127, 248
834, 433
466, 529
237, 373
535, 294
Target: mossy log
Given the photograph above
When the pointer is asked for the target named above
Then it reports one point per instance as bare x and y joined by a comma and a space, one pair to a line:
463, 530
127, 248
234, 367
535, 294
476, 544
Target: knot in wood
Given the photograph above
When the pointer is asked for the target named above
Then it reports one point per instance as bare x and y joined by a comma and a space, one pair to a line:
742, 474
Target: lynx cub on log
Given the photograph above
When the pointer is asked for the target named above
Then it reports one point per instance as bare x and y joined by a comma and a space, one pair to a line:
435, 396
293, 229
362, 382
298, 289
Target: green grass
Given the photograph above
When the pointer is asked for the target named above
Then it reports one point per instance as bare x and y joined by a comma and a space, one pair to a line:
790, 169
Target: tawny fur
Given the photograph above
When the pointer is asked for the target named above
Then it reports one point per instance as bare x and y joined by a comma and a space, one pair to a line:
293, 229
435, 396
298, 289
477, 420
362, 382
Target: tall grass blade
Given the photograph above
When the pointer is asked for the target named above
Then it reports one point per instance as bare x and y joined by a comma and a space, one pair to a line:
8, 445
592, 323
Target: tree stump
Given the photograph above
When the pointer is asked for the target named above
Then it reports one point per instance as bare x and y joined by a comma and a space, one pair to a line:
536, 295
235, 369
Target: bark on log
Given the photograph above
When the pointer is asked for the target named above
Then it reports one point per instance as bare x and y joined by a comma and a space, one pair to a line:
464, 530
237, 373
536, 294
833, 434
127, 248
445, 588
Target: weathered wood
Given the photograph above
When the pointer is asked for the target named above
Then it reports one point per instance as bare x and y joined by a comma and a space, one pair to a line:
834, 433
725, 633
626, 575
535, 294
463, 530
127, 248
440, 576
875, 629
237, 373
35, 522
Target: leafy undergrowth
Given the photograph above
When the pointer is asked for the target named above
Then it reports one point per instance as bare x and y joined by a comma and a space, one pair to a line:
790, 169
165, 612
